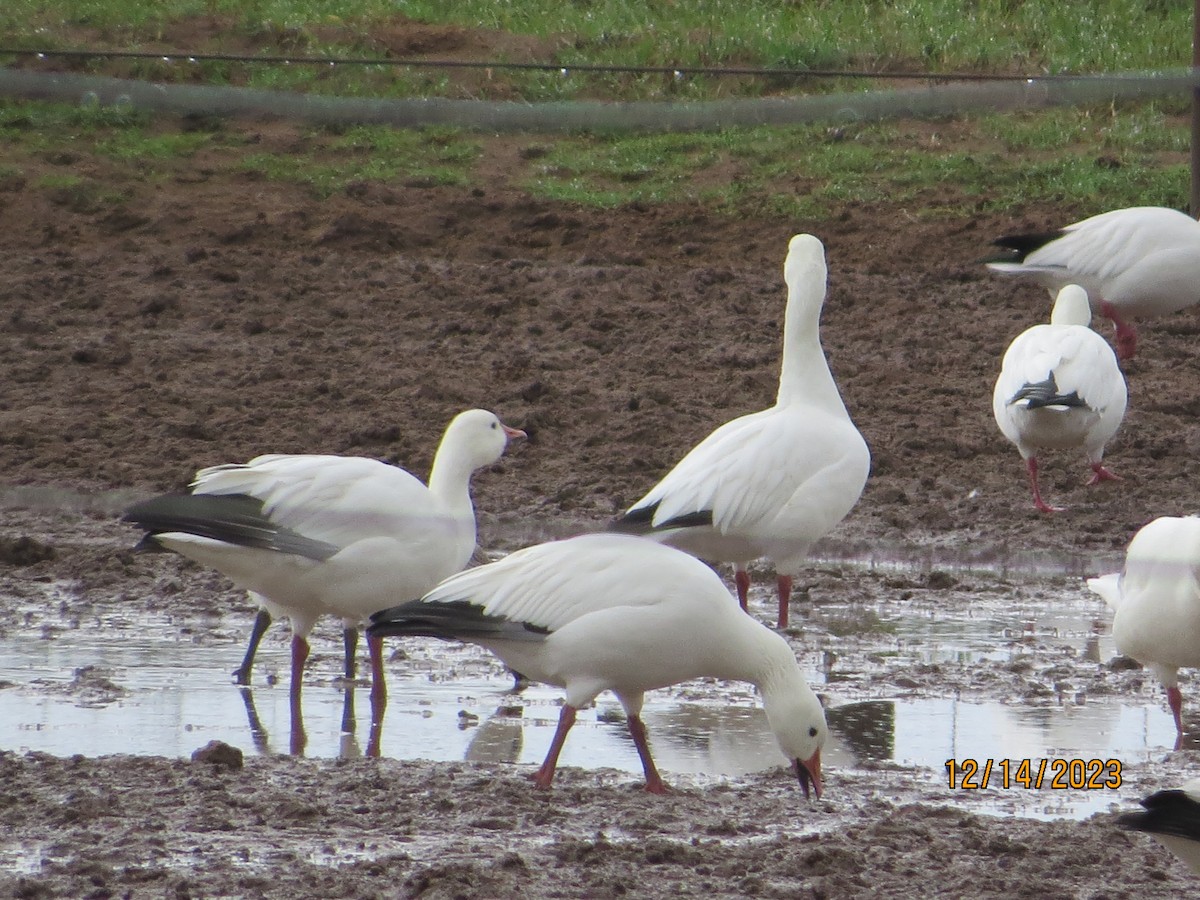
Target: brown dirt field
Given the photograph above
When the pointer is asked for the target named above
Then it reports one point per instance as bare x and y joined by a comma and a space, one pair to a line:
215, 317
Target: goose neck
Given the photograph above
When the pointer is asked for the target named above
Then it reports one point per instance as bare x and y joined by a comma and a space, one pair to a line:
804, 375
450, 482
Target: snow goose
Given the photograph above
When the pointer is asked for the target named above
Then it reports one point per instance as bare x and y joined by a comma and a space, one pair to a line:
1138, 262
1060, 387
1172, 817
1156, 602
617, 612
772, 483
310, 535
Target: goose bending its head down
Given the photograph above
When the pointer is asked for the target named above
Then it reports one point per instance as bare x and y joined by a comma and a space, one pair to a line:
1156, 602
616, 612
310, 535
1138, 262
772, 483
1060, 387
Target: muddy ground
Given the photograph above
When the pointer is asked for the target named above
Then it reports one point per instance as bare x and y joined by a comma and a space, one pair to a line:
208, 318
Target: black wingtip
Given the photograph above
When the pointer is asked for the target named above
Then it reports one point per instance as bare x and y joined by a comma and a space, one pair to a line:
636, 521
641, 521
453, 620
146, 510
1171, 812
1134, 821
1018, 246
230, 518
149, 544
1045, 393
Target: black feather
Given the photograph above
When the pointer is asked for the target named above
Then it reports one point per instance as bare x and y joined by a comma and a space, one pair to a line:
232, 518
1169, 812
1018, 246
1045, 393
148, 544
639, 521
456, 620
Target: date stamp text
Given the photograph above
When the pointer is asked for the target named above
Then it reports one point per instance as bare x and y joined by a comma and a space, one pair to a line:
1034, 774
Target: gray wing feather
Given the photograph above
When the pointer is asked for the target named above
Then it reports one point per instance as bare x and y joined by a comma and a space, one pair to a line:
232, 518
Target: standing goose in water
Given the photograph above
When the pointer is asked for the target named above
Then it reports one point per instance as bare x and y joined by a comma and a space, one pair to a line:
1155, 601
310, 535
614, 612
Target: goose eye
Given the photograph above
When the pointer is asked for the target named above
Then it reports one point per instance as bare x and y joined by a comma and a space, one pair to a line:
812, 732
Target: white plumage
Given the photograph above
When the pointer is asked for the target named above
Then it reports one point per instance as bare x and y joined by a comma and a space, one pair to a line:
1138, 262
616, 612
772, 483
312, 535
1060, 388
1156, 602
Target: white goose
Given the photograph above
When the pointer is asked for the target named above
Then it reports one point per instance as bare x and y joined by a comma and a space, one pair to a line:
772, 483
616, 612
1060, 387
1138, 262
1172, 817
1156, 602
310, 535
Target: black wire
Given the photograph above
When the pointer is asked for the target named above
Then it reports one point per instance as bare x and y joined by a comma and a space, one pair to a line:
677, 71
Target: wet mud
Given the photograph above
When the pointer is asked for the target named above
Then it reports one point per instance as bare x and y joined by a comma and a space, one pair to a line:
218, 317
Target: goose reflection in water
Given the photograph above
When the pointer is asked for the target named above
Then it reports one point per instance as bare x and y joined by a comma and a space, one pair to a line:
348, 744
501, 737
737, 740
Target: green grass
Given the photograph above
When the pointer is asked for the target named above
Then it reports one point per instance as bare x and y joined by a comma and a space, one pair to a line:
139, 146
372, 153
922, 35
60, 182
1142, 128
809, 171
1092, 157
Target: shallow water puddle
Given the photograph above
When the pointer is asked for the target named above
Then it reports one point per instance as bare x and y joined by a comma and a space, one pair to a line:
147, 688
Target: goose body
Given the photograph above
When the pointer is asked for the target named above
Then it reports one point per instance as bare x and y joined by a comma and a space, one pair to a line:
1156, 602
619, 613
1060, 387
1172, 817
1139, 262
311, 535
772, 483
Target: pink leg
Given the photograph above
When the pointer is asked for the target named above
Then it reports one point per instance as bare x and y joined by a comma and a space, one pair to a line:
1126, 333
378, 696
1175, 701
637, 730
741, 578
543, 776
784, 585
299, 658
1101, 474
1031, 466
374, 739
378, 684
